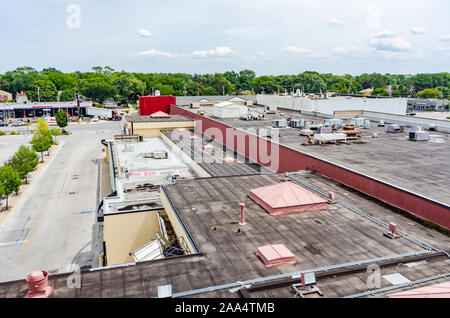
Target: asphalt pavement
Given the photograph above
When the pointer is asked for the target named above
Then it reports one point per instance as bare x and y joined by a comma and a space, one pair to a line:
54, 225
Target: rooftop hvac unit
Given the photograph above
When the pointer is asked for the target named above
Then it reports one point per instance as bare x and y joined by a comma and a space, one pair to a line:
394, 128
195, 105
334, 123
418, 134
279, 124
367, 124
325, 130
297, 123
358, 122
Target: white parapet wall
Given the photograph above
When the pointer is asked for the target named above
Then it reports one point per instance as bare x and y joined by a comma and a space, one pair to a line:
329, 106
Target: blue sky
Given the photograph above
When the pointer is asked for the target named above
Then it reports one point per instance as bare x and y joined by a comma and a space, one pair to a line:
205, 36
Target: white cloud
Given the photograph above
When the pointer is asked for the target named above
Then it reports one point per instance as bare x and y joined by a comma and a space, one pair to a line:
445, 38
373, 16
144, 33
304, 51
418, 30
246, 31
389, 41
335, 22
385, 34
218, 51
340, 50
154, 52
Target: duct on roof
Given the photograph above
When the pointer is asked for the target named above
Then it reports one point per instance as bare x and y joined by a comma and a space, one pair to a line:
287, 197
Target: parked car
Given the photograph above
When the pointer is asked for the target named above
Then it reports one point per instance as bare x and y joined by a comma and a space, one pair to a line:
18, 122
246, 117
74, 119
95, 119
3, 123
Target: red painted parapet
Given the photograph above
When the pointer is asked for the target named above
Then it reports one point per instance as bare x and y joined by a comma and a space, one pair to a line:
151, 104
280, 158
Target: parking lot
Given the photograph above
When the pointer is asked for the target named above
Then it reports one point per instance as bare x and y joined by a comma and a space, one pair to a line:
53, 224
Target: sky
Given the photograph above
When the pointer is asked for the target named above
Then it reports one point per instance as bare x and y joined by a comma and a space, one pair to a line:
271, 37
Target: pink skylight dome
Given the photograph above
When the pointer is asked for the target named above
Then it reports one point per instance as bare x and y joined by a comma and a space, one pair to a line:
287, 197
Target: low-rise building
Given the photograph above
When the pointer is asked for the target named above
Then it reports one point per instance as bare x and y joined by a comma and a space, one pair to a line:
5, 96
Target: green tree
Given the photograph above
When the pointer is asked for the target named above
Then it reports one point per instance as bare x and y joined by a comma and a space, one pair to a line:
429, 93
265, 84
221, 84
67, 95
128, 86
55, 132
98, 90
380, 92
10, 180
47, 91
41, 143
24, 161
61, 119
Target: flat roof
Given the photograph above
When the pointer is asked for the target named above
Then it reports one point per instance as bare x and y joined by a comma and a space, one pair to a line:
415, 166
205, 159
209, 207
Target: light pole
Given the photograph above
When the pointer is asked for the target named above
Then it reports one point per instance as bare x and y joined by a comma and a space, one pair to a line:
39, 95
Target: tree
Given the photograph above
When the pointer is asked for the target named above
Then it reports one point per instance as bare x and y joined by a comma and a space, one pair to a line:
41, 143
265, 84
128, 86
55, 132
380, 92
67, 95
47, 91
221, 84
429, 93
24, 161
98, 90
61, 119
10, 180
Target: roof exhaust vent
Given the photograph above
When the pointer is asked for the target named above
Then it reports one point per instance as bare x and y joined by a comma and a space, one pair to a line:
393, 234
242, 222
38, 285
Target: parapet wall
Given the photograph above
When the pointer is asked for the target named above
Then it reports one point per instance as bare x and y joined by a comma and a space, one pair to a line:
328, 106
286, 159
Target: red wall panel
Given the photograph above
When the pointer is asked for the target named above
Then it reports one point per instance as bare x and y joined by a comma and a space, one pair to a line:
152, 104
293, 160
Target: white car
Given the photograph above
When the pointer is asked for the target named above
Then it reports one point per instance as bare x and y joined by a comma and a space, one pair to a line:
95, 119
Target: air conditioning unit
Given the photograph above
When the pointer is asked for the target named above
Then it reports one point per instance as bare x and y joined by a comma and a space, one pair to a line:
162, 154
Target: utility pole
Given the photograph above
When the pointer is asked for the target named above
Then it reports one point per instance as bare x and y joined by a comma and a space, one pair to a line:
39, 95
223, 90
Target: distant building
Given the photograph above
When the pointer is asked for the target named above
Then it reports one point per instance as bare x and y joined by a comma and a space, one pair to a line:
430, 104
5, 96
21, 98
367, 91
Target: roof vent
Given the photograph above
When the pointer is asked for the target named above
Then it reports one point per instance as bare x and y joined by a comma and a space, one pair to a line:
38, 285
228, 160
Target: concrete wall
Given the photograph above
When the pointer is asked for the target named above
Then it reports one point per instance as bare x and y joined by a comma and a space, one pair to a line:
328, 106
176, 224
441, 125
153, 129
124, 233
290, 159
